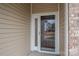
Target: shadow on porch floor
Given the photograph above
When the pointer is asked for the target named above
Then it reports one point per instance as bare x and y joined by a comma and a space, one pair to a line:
35, 53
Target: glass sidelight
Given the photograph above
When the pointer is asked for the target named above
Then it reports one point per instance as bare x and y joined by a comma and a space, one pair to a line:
48, 33
36, 31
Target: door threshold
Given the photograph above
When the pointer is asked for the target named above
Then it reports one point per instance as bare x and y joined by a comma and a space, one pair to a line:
48, 49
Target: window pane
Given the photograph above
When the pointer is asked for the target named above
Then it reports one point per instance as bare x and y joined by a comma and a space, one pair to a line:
36, 32
48, 33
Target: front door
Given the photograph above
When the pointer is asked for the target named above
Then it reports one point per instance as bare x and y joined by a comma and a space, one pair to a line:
46, 38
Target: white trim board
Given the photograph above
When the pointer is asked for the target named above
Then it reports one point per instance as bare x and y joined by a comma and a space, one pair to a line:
66, 29
56, 33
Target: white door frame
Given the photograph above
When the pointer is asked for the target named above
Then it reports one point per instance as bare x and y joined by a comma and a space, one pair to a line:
33, 32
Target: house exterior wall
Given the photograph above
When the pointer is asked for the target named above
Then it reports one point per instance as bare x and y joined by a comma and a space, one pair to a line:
51, 7
14, 29
44, 7
74, 29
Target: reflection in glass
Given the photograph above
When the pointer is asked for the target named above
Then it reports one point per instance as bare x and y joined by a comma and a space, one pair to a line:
48, 33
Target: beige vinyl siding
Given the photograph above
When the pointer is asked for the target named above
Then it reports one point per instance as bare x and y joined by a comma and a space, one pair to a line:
14, 29
44, 7
53, 7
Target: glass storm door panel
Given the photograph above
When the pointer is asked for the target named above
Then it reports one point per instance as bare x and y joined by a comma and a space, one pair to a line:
48, 33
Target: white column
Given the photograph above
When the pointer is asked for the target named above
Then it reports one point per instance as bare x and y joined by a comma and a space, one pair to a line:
66, 29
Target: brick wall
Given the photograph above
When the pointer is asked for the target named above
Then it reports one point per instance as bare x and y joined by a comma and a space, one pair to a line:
73, 29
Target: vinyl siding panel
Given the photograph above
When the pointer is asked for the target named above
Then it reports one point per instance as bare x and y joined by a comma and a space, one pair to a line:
44, 7
14, 29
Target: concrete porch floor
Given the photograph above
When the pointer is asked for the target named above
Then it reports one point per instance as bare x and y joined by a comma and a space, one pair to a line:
35, 53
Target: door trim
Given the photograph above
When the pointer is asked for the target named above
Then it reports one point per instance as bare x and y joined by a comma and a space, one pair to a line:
66, 28
56, 33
